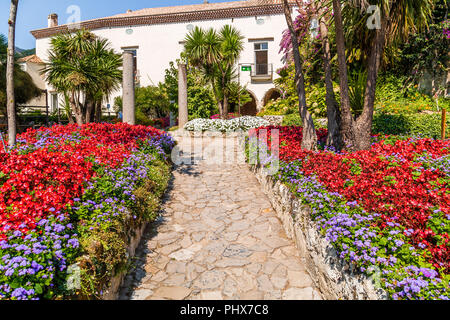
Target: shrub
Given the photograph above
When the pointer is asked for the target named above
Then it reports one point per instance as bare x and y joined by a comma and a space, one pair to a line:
201, 102
293, 119
426, 125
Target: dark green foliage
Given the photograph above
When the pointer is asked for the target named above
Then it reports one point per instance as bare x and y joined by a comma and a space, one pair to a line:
151, 103
425, 51
25, 89
427, 125
201, 101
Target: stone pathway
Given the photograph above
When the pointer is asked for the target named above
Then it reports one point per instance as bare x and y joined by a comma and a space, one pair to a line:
218, 238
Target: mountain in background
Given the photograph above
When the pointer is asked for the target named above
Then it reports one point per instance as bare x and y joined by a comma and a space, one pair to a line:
24, 52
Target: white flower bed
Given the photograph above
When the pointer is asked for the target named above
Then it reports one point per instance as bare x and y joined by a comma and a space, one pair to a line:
243, 123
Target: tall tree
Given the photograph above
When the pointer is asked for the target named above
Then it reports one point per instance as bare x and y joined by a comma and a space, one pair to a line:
11, 101
396, 18
84, 68
216, 53
309, 141
333, 112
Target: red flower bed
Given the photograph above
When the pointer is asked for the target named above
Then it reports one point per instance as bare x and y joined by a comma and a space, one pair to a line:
388, 179
38, 181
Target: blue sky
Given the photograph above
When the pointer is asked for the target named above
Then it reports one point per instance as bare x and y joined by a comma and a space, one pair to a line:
32, 14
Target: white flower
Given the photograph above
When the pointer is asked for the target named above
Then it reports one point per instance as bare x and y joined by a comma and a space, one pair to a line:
243, 123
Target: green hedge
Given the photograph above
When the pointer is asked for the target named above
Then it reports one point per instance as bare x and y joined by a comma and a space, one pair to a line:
427, 125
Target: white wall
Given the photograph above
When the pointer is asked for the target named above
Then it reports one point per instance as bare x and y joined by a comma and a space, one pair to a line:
160, 44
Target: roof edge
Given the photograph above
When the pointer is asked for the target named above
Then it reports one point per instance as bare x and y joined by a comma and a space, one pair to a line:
189, 16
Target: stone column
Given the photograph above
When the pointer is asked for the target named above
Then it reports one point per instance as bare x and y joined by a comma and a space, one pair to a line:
182, 96
129, 115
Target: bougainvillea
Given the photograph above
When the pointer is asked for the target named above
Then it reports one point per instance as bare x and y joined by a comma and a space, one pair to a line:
397, 190
42, 180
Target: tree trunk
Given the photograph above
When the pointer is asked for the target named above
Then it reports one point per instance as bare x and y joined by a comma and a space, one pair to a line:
333, 114
220, 106
347, 122
90, 111
225, 107
10, 95
224, 114
364, 122
309, 141
98, 112
75, 106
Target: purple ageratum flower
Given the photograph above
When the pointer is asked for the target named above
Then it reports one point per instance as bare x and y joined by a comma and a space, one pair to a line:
74, 243
59, 228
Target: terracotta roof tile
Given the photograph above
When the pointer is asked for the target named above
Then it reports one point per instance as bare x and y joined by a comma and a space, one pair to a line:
187, 13
198, 7
33, 59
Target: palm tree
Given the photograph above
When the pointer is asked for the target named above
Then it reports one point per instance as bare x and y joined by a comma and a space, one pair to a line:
397, 19
309, 141
11, 101
216, 54
82, 66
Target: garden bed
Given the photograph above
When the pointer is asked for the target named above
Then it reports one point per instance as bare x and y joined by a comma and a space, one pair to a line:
385, 211
336, 278
72, 203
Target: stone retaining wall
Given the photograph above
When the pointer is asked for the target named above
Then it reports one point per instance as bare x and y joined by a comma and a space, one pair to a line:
336, 278
112, 292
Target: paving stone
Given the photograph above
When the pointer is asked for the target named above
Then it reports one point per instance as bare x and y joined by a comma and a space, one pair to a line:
160, 276
142, 294
278, 282
182, 255
217, 238
211, 280
252, 295
236, 250
231, 236
176, 279
212, 295
239, 226
166, 250
254, 268
198, 236
275, 242
186, 242
176, 267
150, 268
273, 295
230, 287
173, 293
299, 279
264, 283
230, 262
270, 266
298, 294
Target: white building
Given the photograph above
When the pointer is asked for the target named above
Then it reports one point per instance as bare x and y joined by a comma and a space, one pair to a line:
157, 35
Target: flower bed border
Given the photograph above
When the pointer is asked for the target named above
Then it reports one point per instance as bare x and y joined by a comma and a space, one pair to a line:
336, 278
116, 283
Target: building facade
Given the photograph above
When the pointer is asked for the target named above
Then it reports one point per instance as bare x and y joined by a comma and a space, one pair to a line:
156, 36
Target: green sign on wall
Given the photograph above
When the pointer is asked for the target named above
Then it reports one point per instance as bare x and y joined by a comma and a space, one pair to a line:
246, 68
